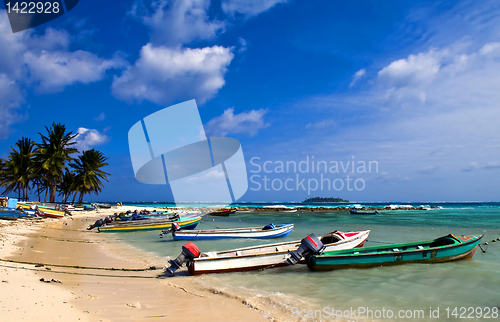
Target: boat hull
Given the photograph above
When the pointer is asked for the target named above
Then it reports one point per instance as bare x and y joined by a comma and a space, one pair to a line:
280, 231
355, 212
394, 255
46, 212
260, 257
141, 225
50, 213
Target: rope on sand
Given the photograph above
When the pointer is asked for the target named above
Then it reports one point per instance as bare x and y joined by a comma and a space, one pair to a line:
84, 274
54, 238
152, 268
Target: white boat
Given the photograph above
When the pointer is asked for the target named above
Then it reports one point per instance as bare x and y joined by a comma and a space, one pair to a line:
288, 210
269, 231
267, 256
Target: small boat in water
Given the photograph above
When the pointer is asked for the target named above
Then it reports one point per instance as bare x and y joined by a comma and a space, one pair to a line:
222, 212
153, 224
355, 212
269, 231
443, 249
288, 210
262, 256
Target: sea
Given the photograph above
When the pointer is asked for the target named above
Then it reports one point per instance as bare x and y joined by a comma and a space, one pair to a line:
467, 290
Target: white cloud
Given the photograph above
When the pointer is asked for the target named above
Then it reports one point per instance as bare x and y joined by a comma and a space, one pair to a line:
88, 138
321, 125
229, 123
492, 165
177, 22
207, 177
100, 117
471, 167
43, 62
53, 71
490, 48
248, 8
360, 73
429, 169
163, 75
243, 45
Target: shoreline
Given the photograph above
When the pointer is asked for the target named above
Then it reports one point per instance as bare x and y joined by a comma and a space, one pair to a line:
89, 290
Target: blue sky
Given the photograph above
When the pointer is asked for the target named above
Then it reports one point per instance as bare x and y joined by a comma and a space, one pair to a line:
412, 85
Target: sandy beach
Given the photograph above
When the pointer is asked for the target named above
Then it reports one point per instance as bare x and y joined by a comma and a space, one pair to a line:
89, 276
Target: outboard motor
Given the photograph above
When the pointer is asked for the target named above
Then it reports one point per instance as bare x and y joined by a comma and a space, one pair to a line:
108, 220
175, 227
311, 244
98, 223
38, 212
189, 252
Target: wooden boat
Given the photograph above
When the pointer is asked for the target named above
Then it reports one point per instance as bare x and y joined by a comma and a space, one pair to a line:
45, 212
222, 212
269, 231
12, 214
134, 225
355, 212
443, 249
267, 256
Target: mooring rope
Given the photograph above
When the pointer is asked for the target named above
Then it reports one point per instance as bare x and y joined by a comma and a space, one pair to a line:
151, 268
83, 274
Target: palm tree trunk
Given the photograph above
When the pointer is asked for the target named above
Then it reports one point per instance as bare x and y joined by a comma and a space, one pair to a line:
80, 200
74, 197
53, 191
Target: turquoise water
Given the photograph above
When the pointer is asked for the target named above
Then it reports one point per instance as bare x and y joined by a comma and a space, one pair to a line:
472, 283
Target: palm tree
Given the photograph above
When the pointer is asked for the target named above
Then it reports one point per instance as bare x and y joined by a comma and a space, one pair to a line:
17, 171
53, 154
88, 173
67, 185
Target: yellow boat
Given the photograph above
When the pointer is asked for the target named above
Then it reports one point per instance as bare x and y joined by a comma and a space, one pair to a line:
134, 225
46, 212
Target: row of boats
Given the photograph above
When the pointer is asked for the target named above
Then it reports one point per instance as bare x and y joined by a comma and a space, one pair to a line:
14, 210
335, 250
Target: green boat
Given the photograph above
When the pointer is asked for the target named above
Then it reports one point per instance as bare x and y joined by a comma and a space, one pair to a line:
443, 249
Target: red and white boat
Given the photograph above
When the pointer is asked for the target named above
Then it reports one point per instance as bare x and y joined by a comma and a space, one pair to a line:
270, 255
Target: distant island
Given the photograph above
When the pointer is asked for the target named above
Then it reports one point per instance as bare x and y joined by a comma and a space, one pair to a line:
320, 199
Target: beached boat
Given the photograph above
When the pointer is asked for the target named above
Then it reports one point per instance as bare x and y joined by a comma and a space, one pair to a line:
269, 231
134, 225
45, 212
356, 212
12, 214
443, 249
267, 256
222, 212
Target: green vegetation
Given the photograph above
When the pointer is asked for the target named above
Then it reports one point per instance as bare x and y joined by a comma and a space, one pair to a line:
45, 167
320, 199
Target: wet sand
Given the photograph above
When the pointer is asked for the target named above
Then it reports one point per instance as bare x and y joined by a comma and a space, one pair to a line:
95, 278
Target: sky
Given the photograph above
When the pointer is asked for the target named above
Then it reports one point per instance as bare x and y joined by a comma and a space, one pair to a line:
411, 88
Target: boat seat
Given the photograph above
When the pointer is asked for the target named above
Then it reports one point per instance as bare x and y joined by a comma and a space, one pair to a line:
238, 253
396, 249
208, 254
420, 247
